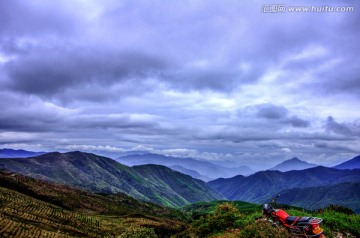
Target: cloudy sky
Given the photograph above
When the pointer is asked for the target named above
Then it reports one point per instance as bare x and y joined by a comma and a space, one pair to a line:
217, 80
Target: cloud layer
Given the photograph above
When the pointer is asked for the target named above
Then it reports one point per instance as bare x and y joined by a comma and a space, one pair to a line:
212, 80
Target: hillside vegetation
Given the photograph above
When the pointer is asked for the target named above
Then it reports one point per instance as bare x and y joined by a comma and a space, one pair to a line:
33, 208
153, 183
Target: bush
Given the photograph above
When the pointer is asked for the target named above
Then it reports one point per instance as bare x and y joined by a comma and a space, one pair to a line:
341, 209
225, 216
138, 232
201, 226
263, 229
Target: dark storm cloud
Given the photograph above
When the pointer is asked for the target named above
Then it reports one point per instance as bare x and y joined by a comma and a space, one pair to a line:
206, 32
212, 79
337, 145
196, 35
343, 79
29, 114
278, 114
122, 121
45, 73
347, 129
296, 121
265, 135
270, 111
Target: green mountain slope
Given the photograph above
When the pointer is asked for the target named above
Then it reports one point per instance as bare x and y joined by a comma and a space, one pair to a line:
104, 175
262, 185
35, 208
343, 194
183, 188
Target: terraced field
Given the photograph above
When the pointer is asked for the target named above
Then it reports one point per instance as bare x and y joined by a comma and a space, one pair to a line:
23, 216
34, 208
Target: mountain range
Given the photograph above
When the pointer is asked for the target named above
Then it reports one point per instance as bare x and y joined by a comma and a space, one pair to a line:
205, 169
173, 187
154, 183
11, 153
189, 172
343, 194
263, 185
293, 164
350, 164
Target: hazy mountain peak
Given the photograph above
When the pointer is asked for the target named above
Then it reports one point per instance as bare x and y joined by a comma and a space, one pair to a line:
204, 168
293, 164
296, 159
354, 163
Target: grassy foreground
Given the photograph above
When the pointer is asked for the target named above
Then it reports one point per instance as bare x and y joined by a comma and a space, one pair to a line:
240, 219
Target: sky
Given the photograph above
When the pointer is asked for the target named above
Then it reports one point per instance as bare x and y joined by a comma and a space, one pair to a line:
213, 80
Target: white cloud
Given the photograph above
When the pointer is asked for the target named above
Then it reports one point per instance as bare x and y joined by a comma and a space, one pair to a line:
94, 148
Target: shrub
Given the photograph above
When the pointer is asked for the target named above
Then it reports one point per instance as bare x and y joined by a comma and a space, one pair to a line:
263, 229
340, 209
225, 216
201, 226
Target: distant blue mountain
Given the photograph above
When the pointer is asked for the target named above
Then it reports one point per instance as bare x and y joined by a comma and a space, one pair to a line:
293, 164
343, 194
189, 172
10, 153
204, 168
260, 186
354, 163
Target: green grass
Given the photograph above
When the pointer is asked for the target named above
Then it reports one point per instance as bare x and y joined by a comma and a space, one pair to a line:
336, 220
197, 210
